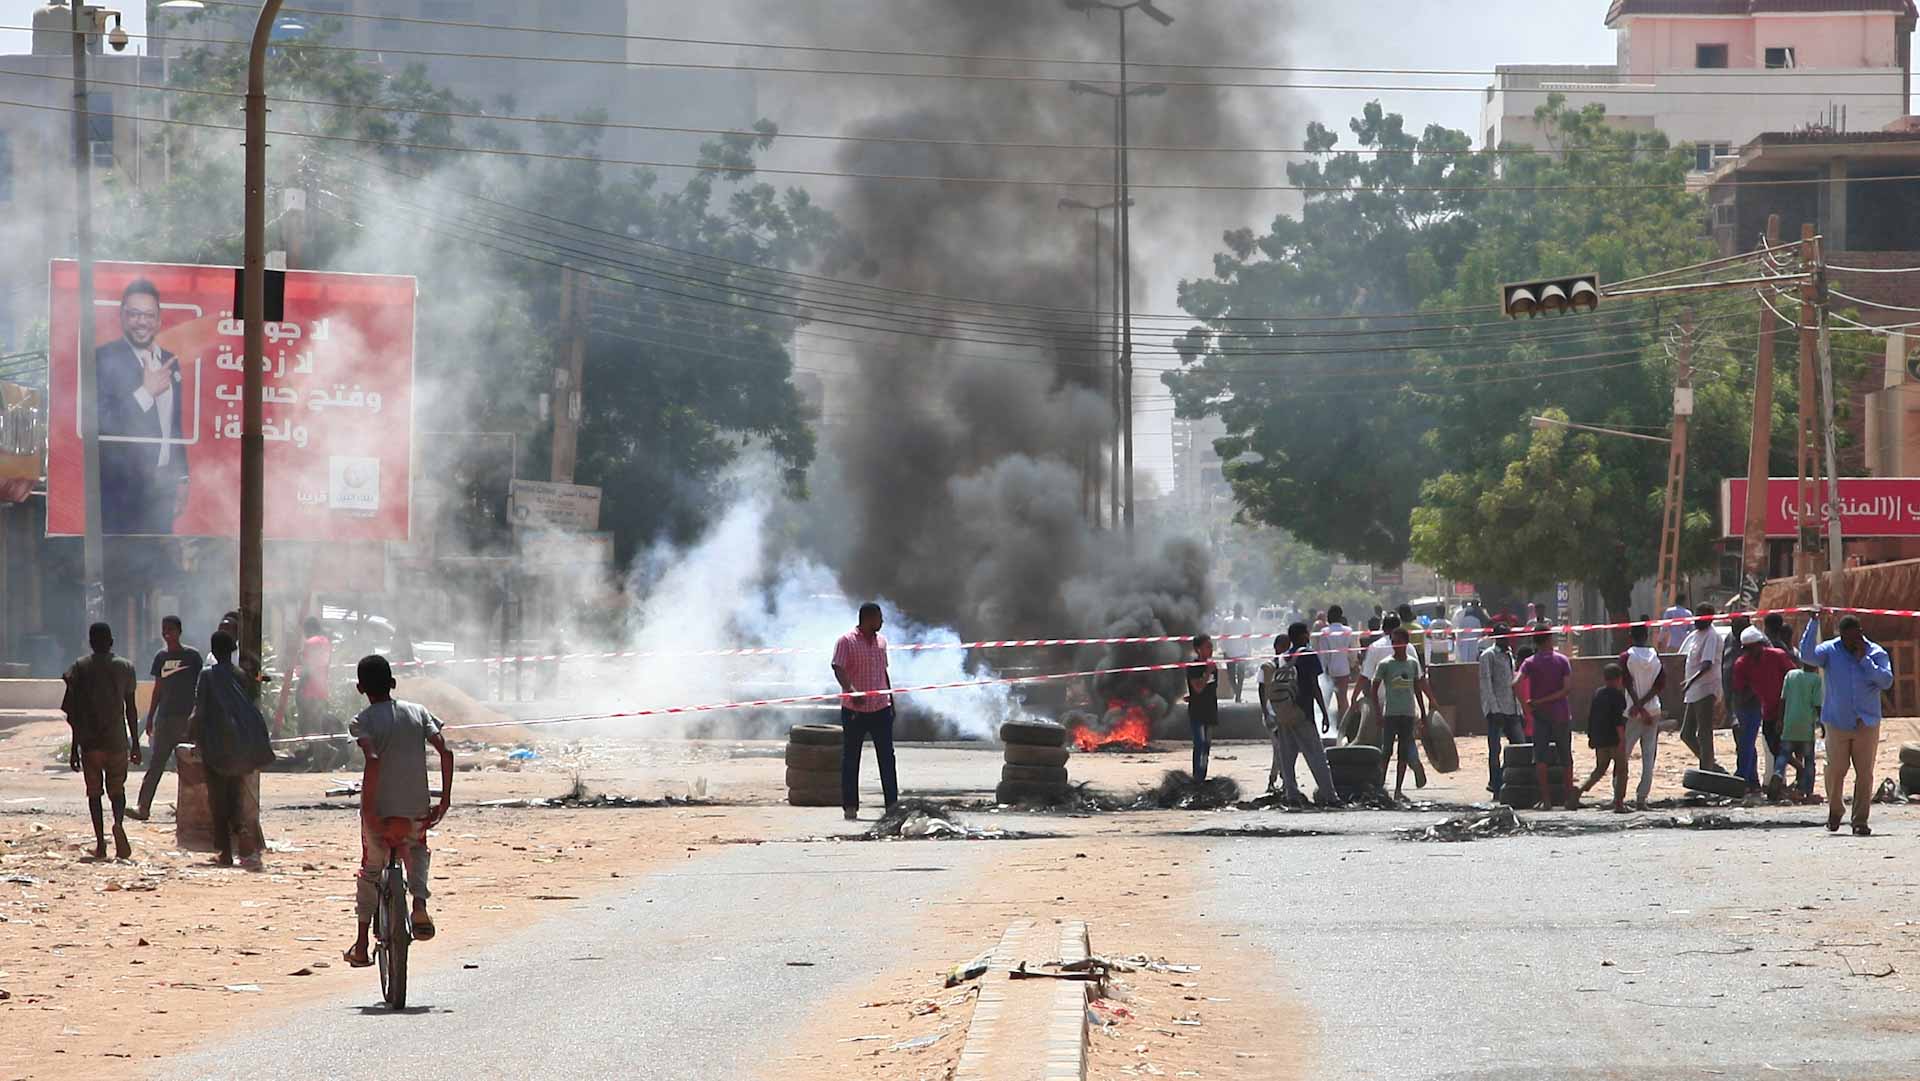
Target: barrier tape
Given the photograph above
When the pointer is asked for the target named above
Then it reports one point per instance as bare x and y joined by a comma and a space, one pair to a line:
1477, 634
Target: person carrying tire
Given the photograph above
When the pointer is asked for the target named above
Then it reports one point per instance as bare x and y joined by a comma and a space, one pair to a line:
1857, 672
1549, 679
1759, 674
1289, 696
1203, 702
1498, 702
1400, 697
866, 708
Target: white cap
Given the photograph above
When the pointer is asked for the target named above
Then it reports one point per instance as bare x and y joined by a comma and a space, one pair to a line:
1753, 636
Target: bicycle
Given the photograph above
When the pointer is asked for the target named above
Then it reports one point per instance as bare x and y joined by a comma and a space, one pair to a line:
392, 919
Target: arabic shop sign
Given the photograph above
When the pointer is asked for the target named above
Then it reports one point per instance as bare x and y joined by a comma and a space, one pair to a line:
1869, 507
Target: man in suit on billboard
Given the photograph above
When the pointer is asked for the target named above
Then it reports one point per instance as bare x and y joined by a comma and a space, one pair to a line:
143, 473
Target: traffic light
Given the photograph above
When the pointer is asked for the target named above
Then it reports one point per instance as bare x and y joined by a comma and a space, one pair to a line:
1580, 293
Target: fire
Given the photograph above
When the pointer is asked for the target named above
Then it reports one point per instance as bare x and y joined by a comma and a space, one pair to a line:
1127, 726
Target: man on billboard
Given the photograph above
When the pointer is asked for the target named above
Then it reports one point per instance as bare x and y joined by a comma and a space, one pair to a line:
143, 452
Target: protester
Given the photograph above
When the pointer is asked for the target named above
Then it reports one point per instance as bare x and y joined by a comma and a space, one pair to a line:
1759, 674
1378, 650
1673, 635
1290, 694
1336, 657
1498, 702
1606, 717
1439, 640
1549, 678
1372, 634
1467, 627
1645, 677
231, 736
1701, 690
310, 700
1401, 696
395, 807
1203, 702
1416, 634
866, 708
1239, 649
1799, 717
97, 701
1857, 671
1779, 635
1522, 652
248, 664
176, 674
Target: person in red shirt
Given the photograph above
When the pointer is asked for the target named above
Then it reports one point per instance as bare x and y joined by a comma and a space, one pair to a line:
866, 708
1759, 674
310, 701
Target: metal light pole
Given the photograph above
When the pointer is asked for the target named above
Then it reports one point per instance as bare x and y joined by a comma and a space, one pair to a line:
253, 314
1123, 196
93, 560
1094, 312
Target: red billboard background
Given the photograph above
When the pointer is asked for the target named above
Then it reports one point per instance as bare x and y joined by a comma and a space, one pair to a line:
338, 400
1869, 507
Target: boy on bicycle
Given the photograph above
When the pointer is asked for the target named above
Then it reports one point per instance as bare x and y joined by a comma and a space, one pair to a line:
394, 801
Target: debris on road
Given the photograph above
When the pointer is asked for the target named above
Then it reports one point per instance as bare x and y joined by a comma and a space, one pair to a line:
1499, 822
917, 819
1178, 791
969, 970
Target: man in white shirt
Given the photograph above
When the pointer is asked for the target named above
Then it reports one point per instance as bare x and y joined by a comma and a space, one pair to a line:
1700, 693
1336, 655
143, 456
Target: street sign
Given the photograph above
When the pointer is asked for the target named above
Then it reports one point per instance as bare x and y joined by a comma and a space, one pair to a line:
553, 548
1465, 589
541, 505
1562, 598
1869, 507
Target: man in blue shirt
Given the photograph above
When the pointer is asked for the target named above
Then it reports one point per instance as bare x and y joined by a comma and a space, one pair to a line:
1857, 671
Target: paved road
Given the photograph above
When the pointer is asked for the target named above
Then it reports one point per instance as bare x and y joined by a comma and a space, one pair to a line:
684, 979
1486, 960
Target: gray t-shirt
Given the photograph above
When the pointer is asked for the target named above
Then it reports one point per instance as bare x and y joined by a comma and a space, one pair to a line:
396, 734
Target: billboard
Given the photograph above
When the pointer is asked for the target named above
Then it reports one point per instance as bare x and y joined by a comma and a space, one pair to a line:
338, 404
1869, 507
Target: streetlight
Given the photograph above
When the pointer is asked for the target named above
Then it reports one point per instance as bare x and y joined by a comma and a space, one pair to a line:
1113, 477
1123, 195
253, 487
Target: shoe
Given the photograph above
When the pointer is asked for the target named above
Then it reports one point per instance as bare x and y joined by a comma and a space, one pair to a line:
1861, 829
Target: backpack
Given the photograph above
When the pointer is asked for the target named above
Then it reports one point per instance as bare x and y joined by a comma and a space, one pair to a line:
1282, 682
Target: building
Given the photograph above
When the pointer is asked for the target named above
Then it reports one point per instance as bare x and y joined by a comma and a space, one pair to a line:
1198, 485
1717, 73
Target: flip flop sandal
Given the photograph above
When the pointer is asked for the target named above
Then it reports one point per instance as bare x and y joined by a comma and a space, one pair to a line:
423, 930
347, 956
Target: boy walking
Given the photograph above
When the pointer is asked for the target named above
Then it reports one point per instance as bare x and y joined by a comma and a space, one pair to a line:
98, 702
394, 807
1799, 716
176, 674
1289, 695
1400, 697
1606, 717
1645, 678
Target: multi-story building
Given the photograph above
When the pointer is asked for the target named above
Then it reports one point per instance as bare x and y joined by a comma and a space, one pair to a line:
1717, 73
1198, 483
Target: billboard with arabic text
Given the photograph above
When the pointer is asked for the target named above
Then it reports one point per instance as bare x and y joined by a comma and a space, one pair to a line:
168, 366
1869, 507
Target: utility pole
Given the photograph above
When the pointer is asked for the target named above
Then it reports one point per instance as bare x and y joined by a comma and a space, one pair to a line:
1760, 441
1807, 457
93, 560
576, 301
1673, 511
253, 476
1098, 251
1836, 556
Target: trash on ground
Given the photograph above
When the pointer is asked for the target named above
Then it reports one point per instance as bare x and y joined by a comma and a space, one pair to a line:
918, 1042
1178, 790
917, 819
522, 754
968, 970
1498, 822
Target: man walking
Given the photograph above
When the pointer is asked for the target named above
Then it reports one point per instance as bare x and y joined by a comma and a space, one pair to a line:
1701, 689
1336, 658
1401, 697
1857, 671
98, 699
176, 671
1646, 677
1289, 696
1498, 702
866, 708
1549, 679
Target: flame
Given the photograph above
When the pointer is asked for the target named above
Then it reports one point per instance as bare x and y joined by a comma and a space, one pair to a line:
1131, 733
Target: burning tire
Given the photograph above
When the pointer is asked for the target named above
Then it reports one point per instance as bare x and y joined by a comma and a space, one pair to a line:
813, 756
1027, 792
1029, 733
818, 735
1910, 755
1026, 754
1714, 783
1518, 755
1438, 737
1046, 775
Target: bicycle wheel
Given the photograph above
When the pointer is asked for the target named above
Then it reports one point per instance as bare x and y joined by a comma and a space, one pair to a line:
396, 935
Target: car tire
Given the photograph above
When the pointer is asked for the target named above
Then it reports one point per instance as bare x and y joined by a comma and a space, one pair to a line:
1047, 775
1714, 783
1910, 754
1024, 792
813, 778
1910, 779
1354, 756
817, 735
1442, 753
1027, 754
1517, 754
1033, 733
1520, 797
811, 797
813, 756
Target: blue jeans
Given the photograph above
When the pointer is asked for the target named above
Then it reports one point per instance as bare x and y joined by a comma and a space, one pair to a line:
1788, 749
1202, 746
1746, 738
855, 728
1514, 728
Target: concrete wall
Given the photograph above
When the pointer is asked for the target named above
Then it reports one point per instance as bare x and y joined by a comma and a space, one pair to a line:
1457, 688
45, 694
1840, 40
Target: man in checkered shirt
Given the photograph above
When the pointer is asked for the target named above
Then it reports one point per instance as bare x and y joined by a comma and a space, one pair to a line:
860, 664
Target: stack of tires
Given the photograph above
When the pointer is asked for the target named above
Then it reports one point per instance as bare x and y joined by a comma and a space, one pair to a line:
1357, 770
813, 765
1910, 768
1036, 764
1520, 784
1713, 782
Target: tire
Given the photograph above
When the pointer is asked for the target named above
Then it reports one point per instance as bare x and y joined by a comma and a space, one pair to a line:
1442, 753
1045, 775
1369, 734
1520, 797
817, 757
1027, 754
1033, 733
1517, 754
813, 778
1714, 783
1356, 756
396, 935
1910, 754
811, 797
1350, 724
1910, 779
1025, 792
818, 735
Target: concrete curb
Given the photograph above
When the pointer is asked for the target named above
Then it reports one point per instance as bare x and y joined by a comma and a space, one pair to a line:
1029, 1030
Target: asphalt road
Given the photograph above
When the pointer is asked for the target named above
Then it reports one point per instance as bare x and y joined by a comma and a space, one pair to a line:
686, 978
1641, 955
